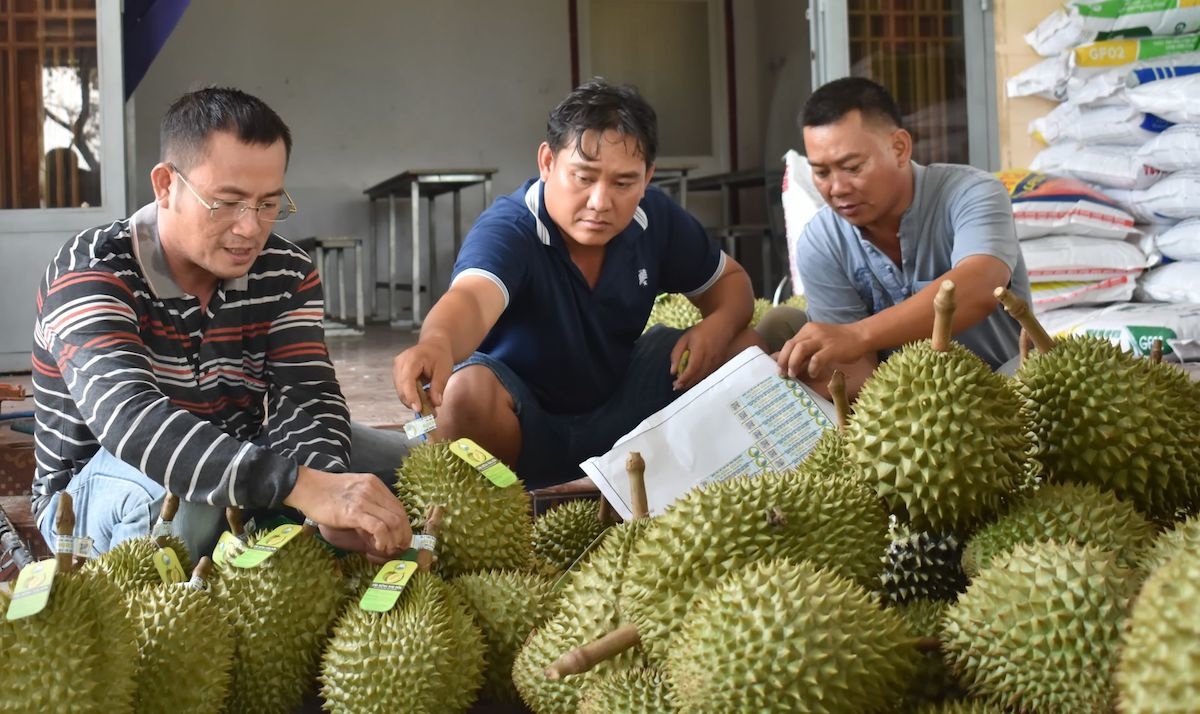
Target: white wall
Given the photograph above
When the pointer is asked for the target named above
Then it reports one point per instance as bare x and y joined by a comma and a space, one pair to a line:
371, 88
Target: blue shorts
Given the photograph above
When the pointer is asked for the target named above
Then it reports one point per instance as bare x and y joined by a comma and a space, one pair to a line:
553, 445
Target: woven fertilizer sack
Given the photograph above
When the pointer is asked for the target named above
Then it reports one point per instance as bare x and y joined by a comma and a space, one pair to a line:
1173, 282
1175, 197
801, 201
1045, 205
1176, 149
1134, 326
1097, 70
1180, 241
1082, 22
1065, 293
1111, 165
1174, 100
1108, 124
1079, 258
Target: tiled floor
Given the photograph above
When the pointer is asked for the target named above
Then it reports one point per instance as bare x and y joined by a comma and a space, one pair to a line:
364, 369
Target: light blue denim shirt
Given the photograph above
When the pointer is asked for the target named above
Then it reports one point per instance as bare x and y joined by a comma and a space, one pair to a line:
957, 211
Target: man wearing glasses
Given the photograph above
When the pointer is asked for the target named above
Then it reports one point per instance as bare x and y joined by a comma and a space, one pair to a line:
182, 348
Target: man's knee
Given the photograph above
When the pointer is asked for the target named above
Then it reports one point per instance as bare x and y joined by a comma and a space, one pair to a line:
473, 400
779, 325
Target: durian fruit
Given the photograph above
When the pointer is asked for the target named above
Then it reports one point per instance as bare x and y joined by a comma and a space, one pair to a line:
424, 656
186, 647
130, 564
786, 637
79, 653
281, 612
506, 606
673, 310
1040, 628
357, 573
799, 302
943, 439
588, 606
1107, 418
631, 691
962, 706
933, 680
922, 566
1184, 535
761, 307
720, 528
1064, 512
489, 528
566, 531
831, 454
1160, 664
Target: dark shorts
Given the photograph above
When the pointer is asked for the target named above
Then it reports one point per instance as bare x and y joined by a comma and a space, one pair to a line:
553, 445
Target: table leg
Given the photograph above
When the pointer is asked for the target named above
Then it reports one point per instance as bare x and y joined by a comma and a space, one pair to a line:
391, 287
433, 271
359, 269
416, 254
340, 256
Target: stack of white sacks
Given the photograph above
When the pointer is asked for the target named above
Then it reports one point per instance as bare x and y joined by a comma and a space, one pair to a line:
1110, 213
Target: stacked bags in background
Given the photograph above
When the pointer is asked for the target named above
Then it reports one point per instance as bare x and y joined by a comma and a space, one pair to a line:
1116, 214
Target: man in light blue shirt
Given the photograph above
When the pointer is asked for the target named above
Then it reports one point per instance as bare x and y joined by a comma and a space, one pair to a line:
871, 260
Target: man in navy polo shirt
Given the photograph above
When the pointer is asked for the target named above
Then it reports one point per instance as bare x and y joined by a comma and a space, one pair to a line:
872, 260
536, 352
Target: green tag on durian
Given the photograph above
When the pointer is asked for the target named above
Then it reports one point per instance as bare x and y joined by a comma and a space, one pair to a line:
254, 556
168, 566
483, 462
33, 589
388, 585
228, 546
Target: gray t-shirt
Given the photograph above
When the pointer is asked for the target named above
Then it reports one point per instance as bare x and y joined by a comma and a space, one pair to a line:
957, 211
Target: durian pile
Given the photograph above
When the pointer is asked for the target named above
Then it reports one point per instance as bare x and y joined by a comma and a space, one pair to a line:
961, 542
675, 310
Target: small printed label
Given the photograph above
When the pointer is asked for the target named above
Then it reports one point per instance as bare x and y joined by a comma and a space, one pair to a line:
83, 547
424, 541
168, 566
64, 545
420, 426
256, 554
32, 591
387, 586
162, 529
483, 462
227, 546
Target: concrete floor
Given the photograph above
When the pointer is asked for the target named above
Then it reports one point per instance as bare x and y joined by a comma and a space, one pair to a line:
364, 369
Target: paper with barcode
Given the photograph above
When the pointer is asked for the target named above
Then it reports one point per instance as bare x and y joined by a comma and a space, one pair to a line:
743, 419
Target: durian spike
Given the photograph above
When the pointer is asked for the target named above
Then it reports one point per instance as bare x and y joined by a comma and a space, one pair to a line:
233, 516
427, 410
64, 525
1156, 351
943, 316
635, 466
584, 657
1020, 311
837, 390
433, 527
1023, 345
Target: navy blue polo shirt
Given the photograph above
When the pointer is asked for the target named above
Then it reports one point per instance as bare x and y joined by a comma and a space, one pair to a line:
571, 343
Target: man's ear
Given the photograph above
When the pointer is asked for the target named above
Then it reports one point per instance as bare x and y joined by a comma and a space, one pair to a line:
902, 147
545, 160
160, 181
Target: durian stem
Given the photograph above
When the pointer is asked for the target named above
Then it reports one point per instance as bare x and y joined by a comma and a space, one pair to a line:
929, 644
433, 527
605, 513
233, 516
837, 390
635, 466
1020, 311
170, 506
203, 568
427, 410
64, 525
584, 657
1156, 351
943, 316
1023, 344
309, 528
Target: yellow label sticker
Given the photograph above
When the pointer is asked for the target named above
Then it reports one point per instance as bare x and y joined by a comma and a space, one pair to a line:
166, 562
32, 591
388, 585
256, 554
1109, 53
483, 462
228, 547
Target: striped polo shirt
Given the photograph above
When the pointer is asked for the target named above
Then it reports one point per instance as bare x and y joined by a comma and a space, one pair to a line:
217, 404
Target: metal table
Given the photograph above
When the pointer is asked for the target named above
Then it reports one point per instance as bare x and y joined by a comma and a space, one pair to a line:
673, 178
414, 185
732, 230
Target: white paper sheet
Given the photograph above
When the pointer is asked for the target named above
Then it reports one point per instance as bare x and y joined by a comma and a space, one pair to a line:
743, 419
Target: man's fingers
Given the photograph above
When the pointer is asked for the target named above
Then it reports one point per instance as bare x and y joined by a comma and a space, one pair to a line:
438, 376
798, 360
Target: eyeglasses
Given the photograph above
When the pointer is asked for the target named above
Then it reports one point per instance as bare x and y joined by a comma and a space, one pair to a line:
269, 211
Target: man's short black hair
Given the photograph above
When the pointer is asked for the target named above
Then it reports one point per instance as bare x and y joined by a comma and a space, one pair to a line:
197, 115
836, 99
599, 106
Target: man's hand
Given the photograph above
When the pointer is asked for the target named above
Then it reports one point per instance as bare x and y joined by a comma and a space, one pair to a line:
429, 360
354, 540
706, 344
359, 502
818, 347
